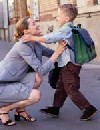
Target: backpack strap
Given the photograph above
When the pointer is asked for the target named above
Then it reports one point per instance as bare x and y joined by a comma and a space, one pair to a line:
69, 47
83, 33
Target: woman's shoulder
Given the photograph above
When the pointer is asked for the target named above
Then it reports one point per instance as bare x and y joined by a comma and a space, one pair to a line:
20, 43
24, 47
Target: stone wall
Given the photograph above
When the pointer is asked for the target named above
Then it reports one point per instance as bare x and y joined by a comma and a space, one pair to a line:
92, 23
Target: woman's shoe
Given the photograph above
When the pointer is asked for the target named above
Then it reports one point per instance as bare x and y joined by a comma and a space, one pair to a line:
8, 122
26, 118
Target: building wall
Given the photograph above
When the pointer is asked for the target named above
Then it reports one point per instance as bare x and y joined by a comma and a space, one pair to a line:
47, 9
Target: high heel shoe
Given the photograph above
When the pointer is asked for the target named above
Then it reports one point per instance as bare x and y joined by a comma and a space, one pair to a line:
9, 122
26, 118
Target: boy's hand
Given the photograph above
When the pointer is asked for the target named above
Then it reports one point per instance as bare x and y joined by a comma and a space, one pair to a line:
27, 37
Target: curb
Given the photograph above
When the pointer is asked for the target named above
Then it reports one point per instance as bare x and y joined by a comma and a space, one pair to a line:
90, 66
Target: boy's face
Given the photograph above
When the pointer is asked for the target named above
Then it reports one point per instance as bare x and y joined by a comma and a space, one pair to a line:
33, 28
62, 18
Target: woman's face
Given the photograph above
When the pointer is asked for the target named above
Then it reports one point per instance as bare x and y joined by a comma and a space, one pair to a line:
33, 28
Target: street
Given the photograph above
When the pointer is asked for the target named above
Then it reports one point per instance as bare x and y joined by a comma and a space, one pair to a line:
69, 118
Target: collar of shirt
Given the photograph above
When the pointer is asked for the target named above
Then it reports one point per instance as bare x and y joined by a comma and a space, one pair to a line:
66, 25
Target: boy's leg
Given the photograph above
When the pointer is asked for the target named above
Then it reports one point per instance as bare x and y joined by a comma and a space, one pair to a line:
71, 80
60, 93
69, 84
59, 99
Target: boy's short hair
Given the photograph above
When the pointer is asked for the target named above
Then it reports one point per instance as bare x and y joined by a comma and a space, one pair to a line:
70, 10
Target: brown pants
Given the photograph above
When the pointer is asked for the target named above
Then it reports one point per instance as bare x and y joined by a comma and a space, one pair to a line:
68, 85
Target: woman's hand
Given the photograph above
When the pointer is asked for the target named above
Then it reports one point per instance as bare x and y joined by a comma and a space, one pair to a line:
60, 47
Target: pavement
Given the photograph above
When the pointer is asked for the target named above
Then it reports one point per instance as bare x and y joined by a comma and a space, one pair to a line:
69, 118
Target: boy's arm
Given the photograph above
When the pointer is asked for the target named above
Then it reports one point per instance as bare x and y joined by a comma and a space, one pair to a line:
47, 38
29, 37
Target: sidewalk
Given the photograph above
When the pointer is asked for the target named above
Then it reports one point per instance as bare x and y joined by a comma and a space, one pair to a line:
69, 118
90, 66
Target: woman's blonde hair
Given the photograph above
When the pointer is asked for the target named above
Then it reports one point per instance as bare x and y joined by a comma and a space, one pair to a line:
21, 25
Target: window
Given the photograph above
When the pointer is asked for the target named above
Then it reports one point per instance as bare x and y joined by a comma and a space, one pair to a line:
35, 9
3, 14
67, 1
98, 1
11, 8
81, 3
91, 2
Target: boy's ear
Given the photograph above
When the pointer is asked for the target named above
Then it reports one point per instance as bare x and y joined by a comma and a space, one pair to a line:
67, 19
26, 31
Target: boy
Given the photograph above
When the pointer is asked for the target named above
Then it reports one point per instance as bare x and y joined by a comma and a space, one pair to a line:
69, 80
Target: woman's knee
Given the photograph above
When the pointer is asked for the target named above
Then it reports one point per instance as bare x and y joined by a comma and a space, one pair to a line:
35, 96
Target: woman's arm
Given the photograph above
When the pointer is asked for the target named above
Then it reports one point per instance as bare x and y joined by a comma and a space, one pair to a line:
38, 81
29, 56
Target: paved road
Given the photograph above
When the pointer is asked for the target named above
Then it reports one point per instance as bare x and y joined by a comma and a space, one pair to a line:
69, 115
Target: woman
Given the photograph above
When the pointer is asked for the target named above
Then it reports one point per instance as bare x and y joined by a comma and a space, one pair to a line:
16, 86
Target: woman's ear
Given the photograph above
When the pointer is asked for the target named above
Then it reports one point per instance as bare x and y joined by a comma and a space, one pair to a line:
26, 31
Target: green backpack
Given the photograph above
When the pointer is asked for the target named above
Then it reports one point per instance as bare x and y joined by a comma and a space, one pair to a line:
84, 48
